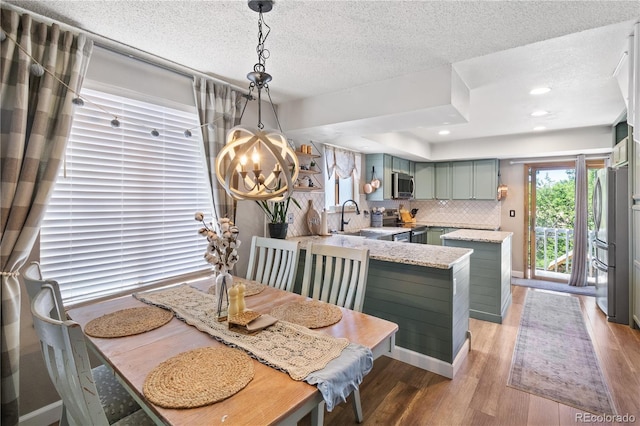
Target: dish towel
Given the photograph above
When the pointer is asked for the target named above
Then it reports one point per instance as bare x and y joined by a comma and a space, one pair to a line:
342, 375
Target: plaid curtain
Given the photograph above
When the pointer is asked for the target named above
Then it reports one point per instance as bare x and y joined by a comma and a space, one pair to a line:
218, 110
36, 120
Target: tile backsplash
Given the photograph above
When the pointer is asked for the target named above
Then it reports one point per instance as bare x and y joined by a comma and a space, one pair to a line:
437, 211
471, 212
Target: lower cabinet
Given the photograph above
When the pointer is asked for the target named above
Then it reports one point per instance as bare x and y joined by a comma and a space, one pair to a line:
433, 235
490, 282
419, 235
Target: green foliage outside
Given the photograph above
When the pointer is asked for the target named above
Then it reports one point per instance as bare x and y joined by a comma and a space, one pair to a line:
555, 208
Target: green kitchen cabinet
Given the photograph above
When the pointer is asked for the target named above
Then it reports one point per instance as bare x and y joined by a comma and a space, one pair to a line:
462, 180
490, 278
382, 164
433, 235
474, 180
425, 180
443, 181
400, 165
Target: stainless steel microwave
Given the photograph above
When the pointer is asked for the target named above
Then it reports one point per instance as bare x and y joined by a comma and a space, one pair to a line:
402, 186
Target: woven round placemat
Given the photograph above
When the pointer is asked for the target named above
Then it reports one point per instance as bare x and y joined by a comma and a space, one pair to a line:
128, 322
250, 287
308, 313
198, 377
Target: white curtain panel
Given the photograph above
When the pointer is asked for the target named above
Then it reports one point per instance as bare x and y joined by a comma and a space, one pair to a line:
578, 276
342, 161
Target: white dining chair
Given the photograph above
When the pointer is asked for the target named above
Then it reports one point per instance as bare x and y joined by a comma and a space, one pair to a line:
337, 275
89, 396
273, 262
33, 282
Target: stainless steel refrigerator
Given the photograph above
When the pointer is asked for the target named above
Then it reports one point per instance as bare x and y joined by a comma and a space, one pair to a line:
611, 261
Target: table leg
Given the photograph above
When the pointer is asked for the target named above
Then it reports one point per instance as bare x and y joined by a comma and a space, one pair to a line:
317, 415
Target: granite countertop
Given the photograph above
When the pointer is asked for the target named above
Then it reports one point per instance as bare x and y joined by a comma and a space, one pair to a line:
430, 256
476, 235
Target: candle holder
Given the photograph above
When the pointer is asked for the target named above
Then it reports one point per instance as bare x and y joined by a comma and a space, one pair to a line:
224, 281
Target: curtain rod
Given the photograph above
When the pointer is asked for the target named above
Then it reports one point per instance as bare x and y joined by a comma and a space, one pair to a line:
558, 160
126, 50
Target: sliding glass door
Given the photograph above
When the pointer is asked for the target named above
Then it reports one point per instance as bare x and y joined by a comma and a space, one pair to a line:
551, 217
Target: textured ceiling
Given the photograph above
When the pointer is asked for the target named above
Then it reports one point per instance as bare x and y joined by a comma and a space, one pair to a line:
500, 49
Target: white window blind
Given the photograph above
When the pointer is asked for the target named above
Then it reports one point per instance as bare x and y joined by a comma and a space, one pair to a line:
123, 216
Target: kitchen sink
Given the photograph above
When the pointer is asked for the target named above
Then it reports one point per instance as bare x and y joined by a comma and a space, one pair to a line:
364, 234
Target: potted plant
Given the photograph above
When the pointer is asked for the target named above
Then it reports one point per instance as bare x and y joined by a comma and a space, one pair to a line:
276, 212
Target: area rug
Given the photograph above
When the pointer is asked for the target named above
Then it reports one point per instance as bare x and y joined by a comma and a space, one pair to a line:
554, 357
589, 290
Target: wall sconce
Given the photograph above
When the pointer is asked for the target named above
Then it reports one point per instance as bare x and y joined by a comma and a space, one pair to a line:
502, 191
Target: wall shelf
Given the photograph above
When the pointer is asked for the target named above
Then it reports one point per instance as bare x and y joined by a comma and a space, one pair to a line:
307, 188
312, 175
304, 154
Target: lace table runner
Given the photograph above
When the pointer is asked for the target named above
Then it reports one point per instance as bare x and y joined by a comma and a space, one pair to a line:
286, 346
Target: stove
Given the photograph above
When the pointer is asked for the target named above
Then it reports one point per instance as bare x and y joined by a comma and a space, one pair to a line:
391, 219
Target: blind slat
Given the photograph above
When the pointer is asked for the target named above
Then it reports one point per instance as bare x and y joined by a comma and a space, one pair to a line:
122, 217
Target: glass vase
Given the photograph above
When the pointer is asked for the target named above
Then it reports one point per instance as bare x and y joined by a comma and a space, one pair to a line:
224, 281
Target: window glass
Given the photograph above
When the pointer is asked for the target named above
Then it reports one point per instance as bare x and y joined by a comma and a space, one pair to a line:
122, 211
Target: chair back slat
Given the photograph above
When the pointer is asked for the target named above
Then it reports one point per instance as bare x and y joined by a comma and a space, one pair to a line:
273, 262
275, 266
336, 275
345, 284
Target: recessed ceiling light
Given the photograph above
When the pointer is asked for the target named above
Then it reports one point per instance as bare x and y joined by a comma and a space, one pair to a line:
539, 113
444, 132
539, 128
540, 90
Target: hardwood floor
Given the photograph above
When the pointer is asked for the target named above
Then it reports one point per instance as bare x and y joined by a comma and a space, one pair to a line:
395, 393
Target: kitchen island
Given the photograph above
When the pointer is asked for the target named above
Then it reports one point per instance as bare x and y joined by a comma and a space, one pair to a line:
490, 285
422, 288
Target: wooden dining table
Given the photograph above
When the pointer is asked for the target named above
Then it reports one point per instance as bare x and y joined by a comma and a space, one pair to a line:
271, 397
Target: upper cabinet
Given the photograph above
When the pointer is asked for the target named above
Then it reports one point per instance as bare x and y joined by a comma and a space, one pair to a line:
443, 181
458, 180
382, 164
425, 179
633, 113
400, 165
474, 180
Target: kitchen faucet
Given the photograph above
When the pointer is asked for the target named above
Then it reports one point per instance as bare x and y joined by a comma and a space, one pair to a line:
342, 221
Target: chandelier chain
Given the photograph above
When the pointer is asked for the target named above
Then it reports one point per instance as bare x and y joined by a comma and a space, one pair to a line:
263, 53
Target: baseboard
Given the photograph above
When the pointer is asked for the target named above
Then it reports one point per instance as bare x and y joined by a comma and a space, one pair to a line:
46, 415
517, 274
428, 363
485, 316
